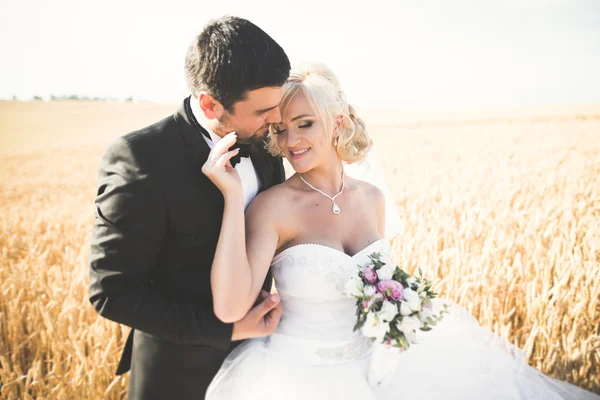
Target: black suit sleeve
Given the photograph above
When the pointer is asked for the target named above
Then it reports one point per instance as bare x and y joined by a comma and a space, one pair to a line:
279, 170
131, 220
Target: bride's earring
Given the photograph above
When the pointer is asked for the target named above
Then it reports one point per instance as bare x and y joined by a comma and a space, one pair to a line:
335, 141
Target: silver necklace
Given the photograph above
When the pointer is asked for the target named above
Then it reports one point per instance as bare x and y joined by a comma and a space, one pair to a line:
335, 208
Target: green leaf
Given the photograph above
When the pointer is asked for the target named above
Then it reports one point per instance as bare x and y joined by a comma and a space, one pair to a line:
359, 324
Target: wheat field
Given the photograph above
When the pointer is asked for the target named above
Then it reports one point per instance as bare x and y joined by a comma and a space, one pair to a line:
500, 208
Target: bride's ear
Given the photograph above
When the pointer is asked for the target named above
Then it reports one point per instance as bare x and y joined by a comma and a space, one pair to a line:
337, 127
211, 107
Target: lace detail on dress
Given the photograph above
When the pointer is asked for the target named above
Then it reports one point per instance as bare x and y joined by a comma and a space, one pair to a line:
330, 269
353, 351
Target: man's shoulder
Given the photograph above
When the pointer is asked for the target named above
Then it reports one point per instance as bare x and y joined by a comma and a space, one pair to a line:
148, 139
153, 134
143, 146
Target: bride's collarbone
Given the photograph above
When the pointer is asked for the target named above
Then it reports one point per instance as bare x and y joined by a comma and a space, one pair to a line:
349, 236
310, 220
324, 207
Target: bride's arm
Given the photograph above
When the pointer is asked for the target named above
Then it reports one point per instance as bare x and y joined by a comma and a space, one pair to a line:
244, 252
238, 268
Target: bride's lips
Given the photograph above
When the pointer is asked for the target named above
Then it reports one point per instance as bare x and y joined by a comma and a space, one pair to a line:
298, 153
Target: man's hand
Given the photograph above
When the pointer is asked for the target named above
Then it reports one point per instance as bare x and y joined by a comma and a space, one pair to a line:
261, 320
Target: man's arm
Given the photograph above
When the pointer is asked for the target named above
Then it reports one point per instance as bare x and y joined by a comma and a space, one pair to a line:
126, 238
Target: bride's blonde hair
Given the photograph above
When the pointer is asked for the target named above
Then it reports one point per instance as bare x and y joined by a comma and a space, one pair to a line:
322, 90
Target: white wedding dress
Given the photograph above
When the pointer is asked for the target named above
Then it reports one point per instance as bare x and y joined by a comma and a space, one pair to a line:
314, 354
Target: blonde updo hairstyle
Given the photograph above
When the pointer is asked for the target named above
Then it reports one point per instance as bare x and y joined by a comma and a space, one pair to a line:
322, 90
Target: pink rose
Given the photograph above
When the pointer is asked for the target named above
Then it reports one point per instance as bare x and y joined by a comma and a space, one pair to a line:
369, 275
391, 289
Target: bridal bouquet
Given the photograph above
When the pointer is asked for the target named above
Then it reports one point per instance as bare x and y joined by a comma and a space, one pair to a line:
391, 307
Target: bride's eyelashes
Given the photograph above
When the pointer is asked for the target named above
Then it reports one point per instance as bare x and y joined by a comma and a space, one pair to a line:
303, 125
276, 129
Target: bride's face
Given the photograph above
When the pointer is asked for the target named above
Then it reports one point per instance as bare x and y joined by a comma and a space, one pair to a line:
301, 136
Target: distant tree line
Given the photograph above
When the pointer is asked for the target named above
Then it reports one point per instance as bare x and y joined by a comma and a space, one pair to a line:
81, 98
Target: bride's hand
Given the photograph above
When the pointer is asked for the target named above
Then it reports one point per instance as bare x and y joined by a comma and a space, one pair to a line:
218, 166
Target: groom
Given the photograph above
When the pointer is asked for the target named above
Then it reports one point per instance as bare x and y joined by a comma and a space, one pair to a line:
158, 217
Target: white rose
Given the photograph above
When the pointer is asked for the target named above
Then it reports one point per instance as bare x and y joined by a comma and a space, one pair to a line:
410, 281
409, 326
354, 287
413, 299
370, 290
405, 309
388, 311
386, 272
375, 328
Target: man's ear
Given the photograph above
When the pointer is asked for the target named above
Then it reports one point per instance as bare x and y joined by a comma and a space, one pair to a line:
210, 106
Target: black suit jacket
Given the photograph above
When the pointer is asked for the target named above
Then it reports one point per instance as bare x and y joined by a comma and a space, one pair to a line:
158, 220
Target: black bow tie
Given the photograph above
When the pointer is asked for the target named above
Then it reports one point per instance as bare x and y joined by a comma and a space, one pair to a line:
244, 152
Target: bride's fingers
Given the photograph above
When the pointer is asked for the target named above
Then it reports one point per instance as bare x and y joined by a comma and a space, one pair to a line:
223, 160
222, 147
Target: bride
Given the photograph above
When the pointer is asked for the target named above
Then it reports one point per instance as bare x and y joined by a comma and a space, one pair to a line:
314, 230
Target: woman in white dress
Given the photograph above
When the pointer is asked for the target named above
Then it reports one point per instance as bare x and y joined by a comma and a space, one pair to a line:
314, 230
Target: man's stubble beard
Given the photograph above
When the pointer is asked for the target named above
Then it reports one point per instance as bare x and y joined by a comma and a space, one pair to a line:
224, 127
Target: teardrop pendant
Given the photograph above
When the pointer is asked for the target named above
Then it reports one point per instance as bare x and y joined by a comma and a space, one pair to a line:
336, 209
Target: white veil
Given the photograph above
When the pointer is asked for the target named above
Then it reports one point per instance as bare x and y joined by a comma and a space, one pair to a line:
370, 170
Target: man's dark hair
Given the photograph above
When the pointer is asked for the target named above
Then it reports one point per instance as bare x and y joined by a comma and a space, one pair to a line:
232, 56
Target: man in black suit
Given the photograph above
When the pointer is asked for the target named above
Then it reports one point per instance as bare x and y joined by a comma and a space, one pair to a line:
158, 217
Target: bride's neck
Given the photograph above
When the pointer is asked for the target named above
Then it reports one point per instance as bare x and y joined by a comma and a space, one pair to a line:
327, 178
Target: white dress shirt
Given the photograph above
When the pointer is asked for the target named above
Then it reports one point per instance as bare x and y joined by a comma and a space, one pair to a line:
245, 167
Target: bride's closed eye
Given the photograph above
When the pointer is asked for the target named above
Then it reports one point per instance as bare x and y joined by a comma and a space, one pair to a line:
277, 129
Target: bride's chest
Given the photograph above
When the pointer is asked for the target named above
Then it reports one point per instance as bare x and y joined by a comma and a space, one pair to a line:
309, 272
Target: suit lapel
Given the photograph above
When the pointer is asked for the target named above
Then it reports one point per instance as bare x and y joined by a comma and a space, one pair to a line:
190, 133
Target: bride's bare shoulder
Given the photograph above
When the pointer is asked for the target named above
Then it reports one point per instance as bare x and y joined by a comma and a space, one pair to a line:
272, 202
367, 191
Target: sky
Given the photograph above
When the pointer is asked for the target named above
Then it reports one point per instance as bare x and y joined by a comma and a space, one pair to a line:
391, 54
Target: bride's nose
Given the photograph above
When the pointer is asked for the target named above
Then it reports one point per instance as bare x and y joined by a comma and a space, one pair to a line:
293, 138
